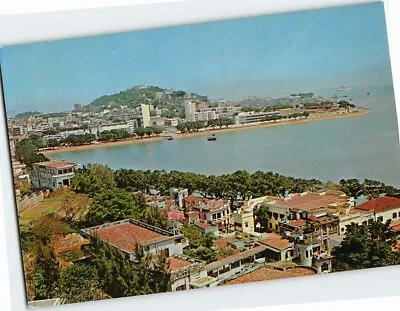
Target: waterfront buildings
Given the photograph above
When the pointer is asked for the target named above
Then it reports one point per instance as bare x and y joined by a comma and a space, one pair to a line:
253, 117
52, 174
205, 112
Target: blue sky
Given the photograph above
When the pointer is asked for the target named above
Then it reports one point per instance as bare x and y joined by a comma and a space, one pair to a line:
263, 56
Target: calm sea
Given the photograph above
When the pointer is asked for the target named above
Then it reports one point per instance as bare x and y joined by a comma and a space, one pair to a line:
360, 147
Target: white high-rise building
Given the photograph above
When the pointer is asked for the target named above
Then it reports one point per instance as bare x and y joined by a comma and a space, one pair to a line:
190, 111
145, 110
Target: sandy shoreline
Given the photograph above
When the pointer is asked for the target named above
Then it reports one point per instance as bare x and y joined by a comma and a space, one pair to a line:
206, 132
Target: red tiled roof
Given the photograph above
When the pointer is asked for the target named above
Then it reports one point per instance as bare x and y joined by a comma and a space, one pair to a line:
276, 241
176, 263
126, 235
309, 201
265, 274
379, 204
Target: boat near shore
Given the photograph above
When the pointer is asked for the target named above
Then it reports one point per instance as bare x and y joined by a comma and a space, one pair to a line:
212, 138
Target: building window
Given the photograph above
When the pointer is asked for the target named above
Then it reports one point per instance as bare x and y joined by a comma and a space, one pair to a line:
59, 172
342, 229
394, 215
178, 241
380, 218
246, 224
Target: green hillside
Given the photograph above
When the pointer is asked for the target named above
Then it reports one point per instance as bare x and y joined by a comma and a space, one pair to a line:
133, 97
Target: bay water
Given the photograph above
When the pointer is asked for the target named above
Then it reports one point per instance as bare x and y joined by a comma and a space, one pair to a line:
358, 147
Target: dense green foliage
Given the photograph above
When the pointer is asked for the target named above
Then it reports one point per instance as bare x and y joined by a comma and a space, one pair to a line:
220, 122
369, 188
201, 246
366, 246
240, 184
132, 97
114, 135
93, 179
261, 217
188, 127
26, 151
44, 276
114, 204
121, 278
79, 283
345, 104
79, 139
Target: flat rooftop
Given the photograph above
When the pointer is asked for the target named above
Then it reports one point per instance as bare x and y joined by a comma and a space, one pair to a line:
266, 274
228, 260
126, 234
55, 164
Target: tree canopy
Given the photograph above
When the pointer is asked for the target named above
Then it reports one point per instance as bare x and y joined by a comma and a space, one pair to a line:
366, 246
114, 204
93, 179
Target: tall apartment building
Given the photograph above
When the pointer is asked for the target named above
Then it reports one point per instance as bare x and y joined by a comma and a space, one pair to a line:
145, 115
190, 111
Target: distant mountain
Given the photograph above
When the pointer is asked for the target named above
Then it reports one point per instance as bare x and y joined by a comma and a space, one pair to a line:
27, 114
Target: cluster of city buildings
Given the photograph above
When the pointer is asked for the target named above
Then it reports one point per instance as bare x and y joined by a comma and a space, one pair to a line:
300, 233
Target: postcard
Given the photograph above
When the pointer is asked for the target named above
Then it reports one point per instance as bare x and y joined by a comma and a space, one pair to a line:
204, 155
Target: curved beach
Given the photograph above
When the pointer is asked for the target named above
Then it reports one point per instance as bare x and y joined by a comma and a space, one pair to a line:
207, 131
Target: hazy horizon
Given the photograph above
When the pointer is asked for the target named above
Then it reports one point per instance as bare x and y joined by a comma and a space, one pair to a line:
265, 56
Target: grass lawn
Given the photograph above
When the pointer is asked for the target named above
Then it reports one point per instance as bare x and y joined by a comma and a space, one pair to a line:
48, 205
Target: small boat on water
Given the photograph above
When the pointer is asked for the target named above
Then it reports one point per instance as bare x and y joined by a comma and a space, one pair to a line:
212, 138
343, 88
170, 138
